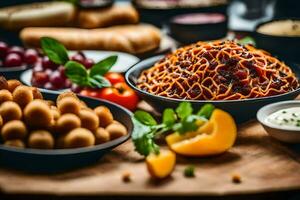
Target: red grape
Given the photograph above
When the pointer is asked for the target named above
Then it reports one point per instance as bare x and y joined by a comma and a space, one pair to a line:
56, 79
13, 60
40, 78
76, 88
49, 86
3, 49
37, 67
30, 56
61, 70
17, 50
46, 63
68, 83
78, 58
88, 63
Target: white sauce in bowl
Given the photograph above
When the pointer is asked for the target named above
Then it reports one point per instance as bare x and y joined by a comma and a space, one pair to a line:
289, 28
285, 118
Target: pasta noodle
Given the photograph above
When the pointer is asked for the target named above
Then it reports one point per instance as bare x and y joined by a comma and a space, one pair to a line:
219, 70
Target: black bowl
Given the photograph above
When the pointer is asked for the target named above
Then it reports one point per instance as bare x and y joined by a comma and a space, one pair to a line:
285, 47
57, 160
187, 33
241, 110
160, 16
12, 72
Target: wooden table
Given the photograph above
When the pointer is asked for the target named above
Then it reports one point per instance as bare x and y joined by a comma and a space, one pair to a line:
265, 166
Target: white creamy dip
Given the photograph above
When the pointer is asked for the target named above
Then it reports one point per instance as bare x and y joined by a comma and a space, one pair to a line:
285, 118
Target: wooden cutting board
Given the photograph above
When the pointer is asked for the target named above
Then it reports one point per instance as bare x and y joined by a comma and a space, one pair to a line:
263, 164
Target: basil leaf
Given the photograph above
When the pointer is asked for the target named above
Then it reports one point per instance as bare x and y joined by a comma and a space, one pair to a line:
103, 66
77, 73
184, 109
56, 52
99, 82
145, 118
169, 117
206, 110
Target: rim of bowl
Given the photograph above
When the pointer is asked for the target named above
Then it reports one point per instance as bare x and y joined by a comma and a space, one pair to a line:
274, 20
278, 105
13, 69
104, 146
157, 58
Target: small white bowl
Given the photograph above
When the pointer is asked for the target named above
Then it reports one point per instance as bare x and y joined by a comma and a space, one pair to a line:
289, 135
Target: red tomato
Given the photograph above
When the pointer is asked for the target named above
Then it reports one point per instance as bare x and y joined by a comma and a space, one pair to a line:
114, 77
89, 92
121, 94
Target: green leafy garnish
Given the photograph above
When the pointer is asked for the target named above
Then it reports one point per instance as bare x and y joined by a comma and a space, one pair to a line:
75, 71
184, 109
103, 66
181, 120
247, 40
56, 52
189, 171
206, 110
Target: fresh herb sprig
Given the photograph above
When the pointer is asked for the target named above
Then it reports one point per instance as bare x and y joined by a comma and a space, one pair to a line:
75, 71
181, 120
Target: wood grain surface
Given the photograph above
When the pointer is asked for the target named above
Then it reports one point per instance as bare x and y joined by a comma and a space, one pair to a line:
264, 165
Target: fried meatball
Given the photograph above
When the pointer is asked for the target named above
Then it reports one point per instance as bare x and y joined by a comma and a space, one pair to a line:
1, 122
104, 115
14, 129
36, 93
89, 119
5, 95
68, 122
41, 139
66, 94
10, 111
22, 95
69, 105
15, 143
38, 114
101, 135
3, 83
79, 137
13, 84
116, 130
55, 114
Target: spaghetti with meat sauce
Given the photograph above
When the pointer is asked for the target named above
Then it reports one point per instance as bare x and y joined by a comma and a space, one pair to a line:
219, 70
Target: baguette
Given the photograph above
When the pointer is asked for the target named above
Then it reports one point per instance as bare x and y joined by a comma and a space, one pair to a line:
104, 17
135, 39
37, 14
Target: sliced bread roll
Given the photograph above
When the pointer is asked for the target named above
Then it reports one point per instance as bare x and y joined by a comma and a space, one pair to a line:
104, 17
135, 39
37, 14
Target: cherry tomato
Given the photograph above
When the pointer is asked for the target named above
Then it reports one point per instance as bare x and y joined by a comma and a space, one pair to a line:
114, 77
121, 94
90, 92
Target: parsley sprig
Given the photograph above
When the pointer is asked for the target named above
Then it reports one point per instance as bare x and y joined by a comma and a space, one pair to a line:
180, 120
75, 71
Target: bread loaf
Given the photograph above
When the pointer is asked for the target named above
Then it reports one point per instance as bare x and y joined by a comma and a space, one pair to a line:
104, 17
133, 39
37, 14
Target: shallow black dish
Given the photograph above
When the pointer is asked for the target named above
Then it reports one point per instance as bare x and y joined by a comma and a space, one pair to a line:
285, 47
190, 32
50, 161
160, 16
12, 72
242, 110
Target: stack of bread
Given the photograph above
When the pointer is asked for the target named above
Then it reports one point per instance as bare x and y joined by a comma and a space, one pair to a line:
112, 28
